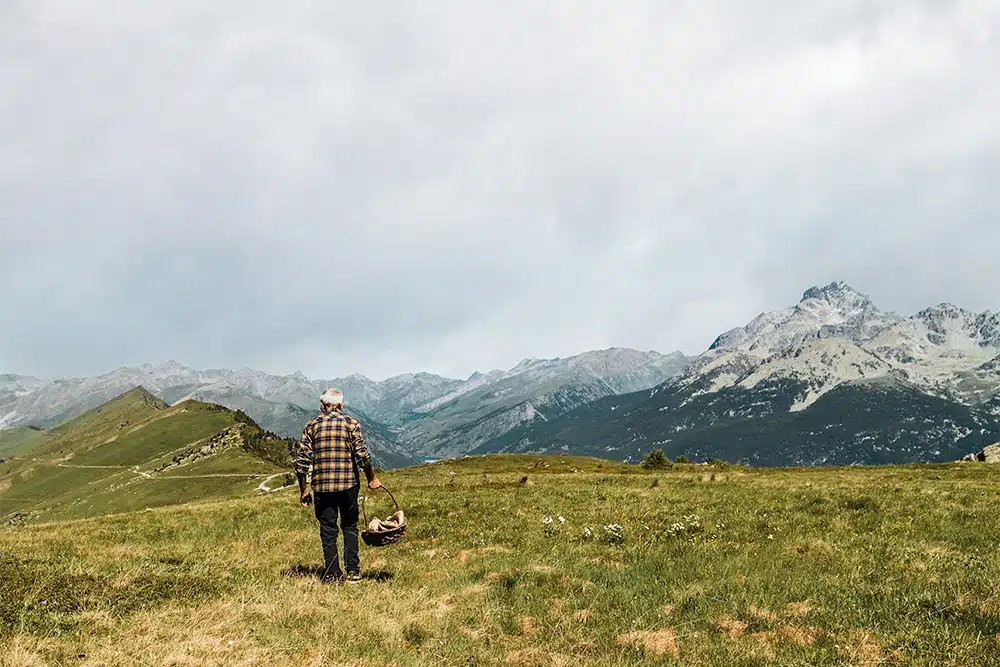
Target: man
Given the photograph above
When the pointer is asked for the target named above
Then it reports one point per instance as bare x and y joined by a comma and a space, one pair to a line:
332, 449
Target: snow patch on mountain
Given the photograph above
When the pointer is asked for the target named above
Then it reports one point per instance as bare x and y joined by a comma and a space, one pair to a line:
834, 311
820, 366
835, 334
939, 342
474, 382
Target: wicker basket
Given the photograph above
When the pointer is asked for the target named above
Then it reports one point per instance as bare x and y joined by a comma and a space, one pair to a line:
381, 538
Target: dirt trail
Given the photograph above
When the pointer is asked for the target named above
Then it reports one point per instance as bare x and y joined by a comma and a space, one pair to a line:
67, 465
217, 474
145, 475
264, 487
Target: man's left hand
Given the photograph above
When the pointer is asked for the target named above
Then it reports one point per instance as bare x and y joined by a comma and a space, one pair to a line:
306, 498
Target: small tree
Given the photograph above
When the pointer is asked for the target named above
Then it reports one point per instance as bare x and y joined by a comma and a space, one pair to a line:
682, 459
655, 460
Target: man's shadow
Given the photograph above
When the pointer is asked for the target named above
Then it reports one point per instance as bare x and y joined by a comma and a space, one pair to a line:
317, 571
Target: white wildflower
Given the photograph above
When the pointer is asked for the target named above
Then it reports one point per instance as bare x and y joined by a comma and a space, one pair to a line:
613, 532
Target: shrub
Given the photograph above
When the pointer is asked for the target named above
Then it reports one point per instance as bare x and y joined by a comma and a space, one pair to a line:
683, 459
243, 418
655, 460
269, 446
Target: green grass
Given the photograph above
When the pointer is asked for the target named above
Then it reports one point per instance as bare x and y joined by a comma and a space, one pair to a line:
157, 438
20, 441
854, 566
122, 457
106, 421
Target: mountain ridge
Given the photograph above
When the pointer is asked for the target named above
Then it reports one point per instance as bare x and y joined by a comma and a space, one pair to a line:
782, 362
835, 342
135, 451
406, 410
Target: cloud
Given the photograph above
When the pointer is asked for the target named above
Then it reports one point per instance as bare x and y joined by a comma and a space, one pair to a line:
455, 186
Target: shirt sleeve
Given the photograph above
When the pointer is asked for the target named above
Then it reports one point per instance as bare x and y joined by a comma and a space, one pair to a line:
304, 462
361, 452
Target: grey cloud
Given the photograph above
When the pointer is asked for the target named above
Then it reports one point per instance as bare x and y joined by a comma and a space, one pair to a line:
451, 186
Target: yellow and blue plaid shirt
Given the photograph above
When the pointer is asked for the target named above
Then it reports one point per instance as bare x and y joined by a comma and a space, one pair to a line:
332, 449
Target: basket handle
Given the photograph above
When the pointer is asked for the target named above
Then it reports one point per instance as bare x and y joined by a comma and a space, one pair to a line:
364, 499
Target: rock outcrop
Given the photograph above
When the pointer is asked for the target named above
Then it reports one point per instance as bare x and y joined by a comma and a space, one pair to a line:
990, 454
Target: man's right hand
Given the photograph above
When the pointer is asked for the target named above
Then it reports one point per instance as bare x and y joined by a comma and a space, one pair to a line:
375, 483
306, 498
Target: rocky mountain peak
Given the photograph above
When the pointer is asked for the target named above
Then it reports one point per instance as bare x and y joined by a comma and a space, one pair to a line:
834, 310
524, 365
171, 366
947, 322
838, 293
942, 311
18, 383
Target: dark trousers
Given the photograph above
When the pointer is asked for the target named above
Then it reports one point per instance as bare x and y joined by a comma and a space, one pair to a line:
328, 506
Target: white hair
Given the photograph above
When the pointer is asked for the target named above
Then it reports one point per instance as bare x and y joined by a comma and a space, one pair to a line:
332, 397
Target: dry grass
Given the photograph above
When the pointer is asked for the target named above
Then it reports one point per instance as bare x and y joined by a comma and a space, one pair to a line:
803, 636
657, 642
799, 609
761, 614
535, 657
762, 644
732, 626
861, 649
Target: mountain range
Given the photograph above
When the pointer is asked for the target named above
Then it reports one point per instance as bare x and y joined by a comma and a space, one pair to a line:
832, 379
405, 416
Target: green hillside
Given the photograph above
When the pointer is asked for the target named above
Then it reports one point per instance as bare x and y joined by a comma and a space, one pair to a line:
20, 441
696, 565
136, 452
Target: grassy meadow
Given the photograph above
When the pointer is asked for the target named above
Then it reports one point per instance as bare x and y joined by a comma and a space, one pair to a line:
129, 454
692, 566
20, 441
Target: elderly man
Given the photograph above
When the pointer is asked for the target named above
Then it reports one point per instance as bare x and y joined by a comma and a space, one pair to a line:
332, 449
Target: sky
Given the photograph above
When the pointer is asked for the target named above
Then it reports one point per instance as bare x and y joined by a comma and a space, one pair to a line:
339, 187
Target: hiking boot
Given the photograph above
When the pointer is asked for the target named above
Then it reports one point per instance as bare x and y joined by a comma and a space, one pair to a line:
353, 577
333, 579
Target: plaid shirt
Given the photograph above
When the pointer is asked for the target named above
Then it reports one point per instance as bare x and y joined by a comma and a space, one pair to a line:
332, 448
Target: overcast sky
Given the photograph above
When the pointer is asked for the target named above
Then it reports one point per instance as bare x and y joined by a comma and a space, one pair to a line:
340, 187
